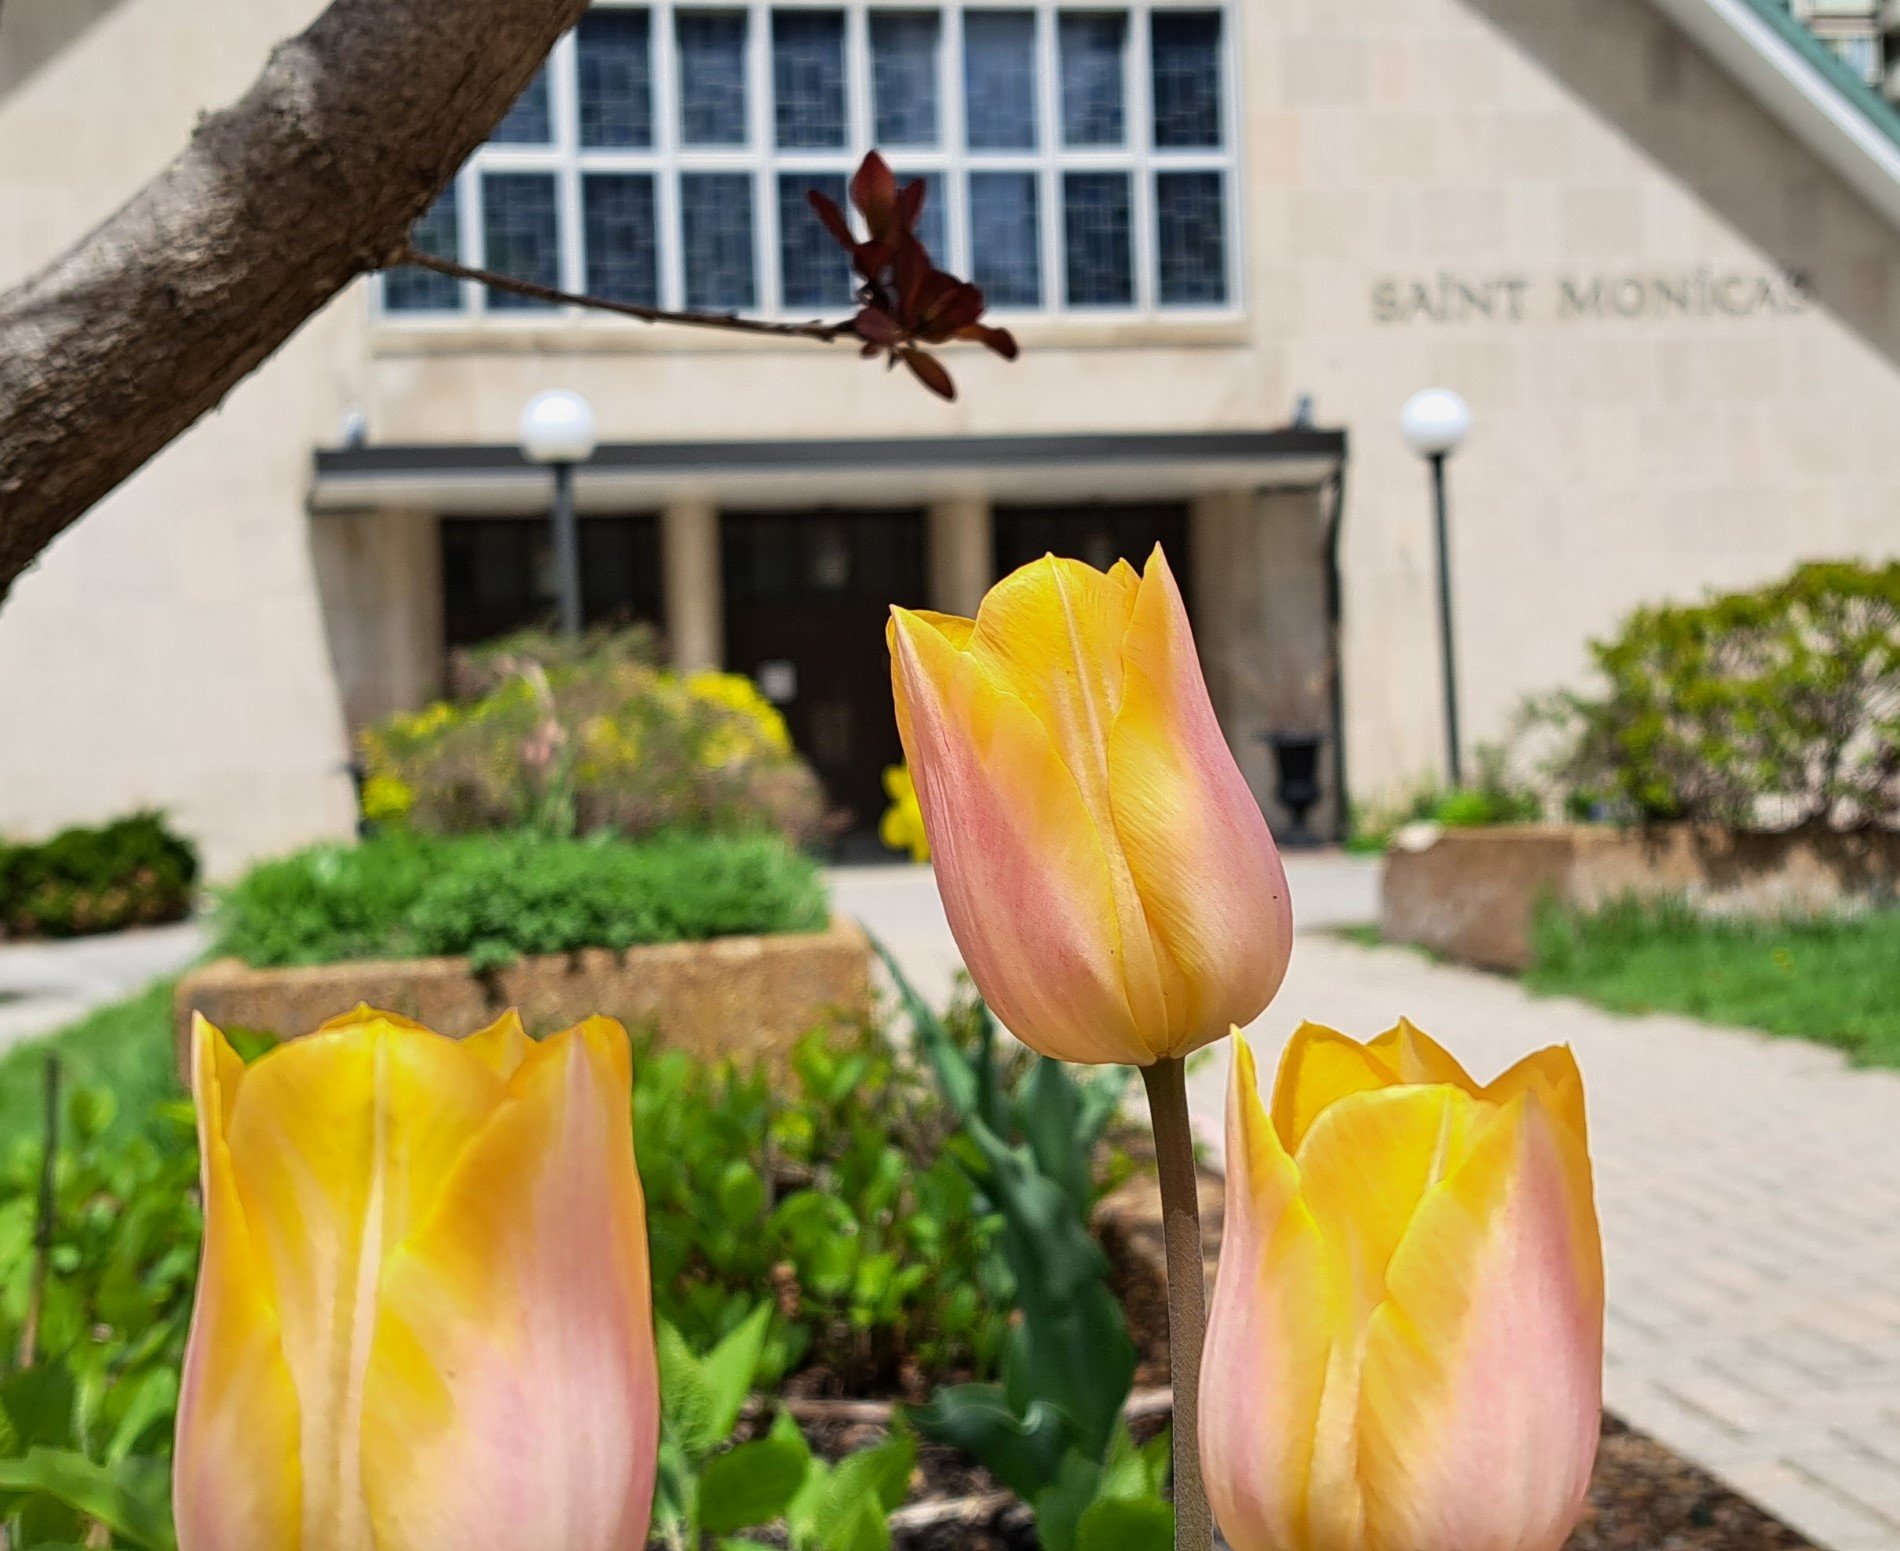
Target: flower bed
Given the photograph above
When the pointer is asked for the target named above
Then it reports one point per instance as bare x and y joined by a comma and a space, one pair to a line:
134, 872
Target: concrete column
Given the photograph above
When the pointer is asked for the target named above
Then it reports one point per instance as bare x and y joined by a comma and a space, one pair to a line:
379, 576
1260, 593
694, 592
962, 559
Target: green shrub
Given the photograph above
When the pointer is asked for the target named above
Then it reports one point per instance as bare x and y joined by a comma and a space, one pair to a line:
579, 738
1495, 796
1760, 709
134, 872
498, 897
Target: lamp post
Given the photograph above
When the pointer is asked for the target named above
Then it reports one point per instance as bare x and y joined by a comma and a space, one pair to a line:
1434, 422
557, 429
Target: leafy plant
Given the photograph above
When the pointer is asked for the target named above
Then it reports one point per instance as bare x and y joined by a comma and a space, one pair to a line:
95, 1292
1052, 1430
710, 1487
824, 1187
578, 739
133, 872
1493, 796
1761, 709
498, 897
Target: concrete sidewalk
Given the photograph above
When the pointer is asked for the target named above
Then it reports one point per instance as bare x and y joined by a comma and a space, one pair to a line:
45, 985
1749, 1189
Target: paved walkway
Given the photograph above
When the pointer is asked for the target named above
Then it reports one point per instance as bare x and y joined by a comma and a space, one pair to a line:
1749, 1188
44, 985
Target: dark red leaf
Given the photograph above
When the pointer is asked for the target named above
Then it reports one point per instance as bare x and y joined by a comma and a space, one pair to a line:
835, 223
877, 325
874, 192
929, 371
910, 203
1000, 340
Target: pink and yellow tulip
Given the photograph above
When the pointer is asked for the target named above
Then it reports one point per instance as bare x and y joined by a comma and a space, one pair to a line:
1105, 870
1406, 1345
423, 1318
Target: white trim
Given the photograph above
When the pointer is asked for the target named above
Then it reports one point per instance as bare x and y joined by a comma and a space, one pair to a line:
1785, 82
948, 162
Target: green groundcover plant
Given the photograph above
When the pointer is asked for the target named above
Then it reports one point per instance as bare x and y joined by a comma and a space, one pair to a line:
133, 872
496, 898
1825, 978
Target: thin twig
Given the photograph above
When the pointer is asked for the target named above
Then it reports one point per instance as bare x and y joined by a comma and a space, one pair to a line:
732, 323
43, 1223
978, 1508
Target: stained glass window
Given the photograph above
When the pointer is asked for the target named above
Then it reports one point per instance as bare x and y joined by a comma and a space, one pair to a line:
905, 46
1191, 214
808, 78
423, 290
999, 80
712, 91
623, 261
614, 68
520, 234
1185, 52
716, 239
1005, 238
813, 270
1099, 263
1093, 44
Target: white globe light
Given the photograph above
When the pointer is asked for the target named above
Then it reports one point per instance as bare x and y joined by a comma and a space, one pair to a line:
1434, 422
558, 427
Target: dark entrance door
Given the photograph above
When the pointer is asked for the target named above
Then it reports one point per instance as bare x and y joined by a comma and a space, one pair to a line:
807, 596
1099, 534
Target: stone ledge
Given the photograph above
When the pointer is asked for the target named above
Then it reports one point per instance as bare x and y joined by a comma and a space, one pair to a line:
1471, 894
744, 996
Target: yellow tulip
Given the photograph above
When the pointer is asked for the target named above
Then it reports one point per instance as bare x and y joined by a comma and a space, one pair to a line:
424, 1320
1406, 1346
1105, 870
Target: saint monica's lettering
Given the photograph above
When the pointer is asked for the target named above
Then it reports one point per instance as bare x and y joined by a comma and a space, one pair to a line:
1698, 293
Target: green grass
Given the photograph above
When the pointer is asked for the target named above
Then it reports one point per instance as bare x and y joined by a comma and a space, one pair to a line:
496, 898
125, 1047
1833, 980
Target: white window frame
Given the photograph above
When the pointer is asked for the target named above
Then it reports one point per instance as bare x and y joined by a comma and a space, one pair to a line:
948, 163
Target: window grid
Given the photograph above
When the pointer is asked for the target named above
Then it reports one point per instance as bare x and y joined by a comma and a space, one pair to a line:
948, 162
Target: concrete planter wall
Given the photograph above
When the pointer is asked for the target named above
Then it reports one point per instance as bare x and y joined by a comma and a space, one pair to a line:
749, 996
1470, 894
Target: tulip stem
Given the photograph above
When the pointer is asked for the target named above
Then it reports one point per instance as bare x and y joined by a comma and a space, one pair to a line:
1166, 1081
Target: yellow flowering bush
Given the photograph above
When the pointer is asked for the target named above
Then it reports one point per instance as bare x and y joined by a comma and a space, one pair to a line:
575, 740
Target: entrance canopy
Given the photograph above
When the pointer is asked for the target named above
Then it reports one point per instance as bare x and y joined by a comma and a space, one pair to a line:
842, 472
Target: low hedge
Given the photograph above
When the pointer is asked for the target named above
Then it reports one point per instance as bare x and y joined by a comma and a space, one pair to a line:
496, 898
134, 872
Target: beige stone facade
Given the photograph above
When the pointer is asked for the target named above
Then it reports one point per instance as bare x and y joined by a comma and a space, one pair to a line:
1677, 325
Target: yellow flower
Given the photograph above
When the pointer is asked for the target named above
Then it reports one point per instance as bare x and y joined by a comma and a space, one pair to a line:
387, 799
902, 827
737, 693
1105, 870
1406, 1344
423, 1318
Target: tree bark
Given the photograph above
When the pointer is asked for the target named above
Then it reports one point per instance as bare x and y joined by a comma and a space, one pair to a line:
276, 203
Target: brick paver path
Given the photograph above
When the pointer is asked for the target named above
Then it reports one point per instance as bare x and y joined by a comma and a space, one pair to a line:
1750, 1195
1749, 1188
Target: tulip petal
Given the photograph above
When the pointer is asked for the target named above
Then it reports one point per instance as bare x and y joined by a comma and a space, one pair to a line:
1416, 1057
1319, 1067
512, 1398
1013, 842
1482, 1381
1197, 846
235, 1472
1268, 1335
339, 1142
502, 1046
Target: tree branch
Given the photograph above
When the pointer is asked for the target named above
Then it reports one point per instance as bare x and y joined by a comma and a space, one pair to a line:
275, 204
823, 333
